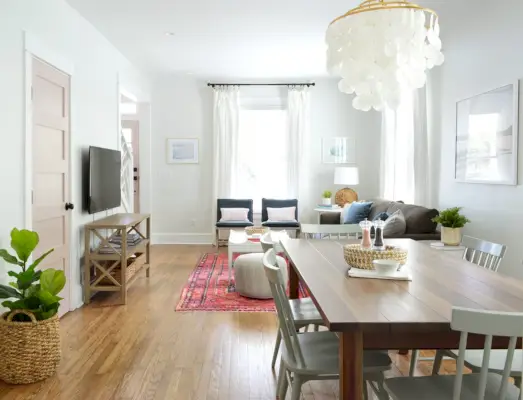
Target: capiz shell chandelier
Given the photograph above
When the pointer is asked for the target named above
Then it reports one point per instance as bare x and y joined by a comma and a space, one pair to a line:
382, 48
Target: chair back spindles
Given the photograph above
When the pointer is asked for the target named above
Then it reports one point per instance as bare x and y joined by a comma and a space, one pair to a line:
489, 324
283, 309
483, 253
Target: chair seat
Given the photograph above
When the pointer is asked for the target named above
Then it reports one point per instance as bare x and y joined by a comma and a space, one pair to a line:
233, 224
321, 355
281, 224
304, 312
440, 387
474, 360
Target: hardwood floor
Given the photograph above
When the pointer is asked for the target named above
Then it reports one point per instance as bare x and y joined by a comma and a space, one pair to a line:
145, 350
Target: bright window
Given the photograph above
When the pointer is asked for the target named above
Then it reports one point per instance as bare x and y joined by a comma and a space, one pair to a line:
398, 157
262, 148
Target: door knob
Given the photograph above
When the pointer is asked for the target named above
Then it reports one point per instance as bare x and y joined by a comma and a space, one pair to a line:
69, 206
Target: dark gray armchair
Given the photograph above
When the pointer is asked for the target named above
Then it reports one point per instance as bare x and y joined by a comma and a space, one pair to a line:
233, 203
273, 203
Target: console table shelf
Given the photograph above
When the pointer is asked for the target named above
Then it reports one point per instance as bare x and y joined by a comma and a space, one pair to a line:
116, 267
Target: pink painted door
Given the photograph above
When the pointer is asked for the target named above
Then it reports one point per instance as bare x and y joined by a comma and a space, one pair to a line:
50, 189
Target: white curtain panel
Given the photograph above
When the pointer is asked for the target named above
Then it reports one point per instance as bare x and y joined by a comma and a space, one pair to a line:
298, 138
226, 121
404, 151
422, 160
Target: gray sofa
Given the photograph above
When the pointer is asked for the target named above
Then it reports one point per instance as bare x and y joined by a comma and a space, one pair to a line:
418, 218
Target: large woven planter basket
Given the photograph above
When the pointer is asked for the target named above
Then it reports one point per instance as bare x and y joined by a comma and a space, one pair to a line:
29, 351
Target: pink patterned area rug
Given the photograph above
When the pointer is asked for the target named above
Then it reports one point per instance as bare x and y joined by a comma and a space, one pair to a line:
208, 289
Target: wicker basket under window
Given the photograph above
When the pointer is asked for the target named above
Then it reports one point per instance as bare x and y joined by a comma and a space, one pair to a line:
358, 257
29, 351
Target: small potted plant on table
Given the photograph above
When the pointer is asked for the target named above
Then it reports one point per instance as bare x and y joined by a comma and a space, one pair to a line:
326, 198
451, 222
30, 331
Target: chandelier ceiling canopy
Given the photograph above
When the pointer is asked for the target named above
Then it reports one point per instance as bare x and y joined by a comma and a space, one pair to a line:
382, 48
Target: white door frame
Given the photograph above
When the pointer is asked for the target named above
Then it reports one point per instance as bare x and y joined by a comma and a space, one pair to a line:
35, 48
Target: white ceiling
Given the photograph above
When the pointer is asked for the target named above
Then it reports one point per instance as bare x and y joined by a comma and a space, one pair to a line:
220, 39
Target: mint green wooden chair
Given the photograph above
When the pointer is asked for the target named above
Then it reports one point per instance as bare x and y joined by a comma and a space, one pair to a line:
477, 386
304, 311
313, 355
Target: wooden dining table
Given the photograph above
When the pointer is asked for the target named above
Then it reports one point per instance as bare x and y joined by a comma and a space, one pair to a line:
371, 314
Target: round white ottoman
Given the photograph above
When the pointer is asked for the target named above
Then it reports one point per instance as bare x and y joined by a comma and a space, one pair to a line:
250, 278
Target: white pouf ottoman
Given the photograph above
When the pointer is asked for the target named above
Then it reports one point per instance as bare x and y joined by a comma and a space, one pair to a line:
250, 278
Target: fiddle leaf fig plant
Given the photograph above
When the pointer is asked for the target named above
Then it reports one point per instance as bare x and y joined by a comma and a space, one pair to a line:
31, 290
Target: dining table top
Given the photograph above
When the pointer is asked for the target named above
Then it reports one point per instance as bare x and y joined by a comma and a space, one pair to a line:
440, 281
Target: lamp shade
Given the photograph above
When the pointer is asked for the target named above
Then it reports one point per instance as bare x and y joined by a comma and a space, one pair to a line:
346, 176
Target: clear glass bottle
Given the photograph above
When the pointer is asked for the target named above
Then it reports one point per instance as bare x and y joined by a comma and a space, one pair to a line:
378, 235
365, 226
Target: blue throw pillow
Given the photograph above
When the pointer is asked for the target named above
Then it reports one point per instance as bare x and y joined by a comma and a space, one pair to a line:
382, 216
357, 212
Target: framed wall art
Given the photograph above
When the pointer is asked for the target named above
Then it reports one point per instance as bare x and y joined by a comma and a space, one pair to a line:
182, 151
338, 150
487, 137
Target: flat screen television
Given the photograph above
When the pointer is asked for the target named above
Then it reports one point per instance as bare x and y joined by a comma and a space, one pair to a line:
104, 179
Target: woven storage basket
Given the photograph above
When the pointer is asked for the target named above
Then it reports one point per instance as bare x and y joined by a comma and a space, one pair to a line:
29, 351
361, 258
253, 230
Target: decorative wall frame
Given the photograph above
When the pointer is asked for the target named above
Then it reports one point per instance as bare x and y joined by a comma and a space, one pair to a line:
338, 150
182, 151
487, 137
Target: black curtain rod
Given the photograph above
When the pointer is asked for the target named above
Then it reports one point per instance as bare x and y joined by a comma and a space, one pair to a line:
261, 84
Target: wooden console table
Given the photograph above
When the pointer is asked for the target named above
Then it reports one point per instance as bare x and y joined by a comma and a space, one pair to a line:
113, 268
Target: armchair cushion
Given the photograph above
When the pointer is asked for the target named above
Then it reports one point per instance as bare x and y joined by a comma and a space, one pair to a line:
281, 224
273, 203
234, 203
233, 224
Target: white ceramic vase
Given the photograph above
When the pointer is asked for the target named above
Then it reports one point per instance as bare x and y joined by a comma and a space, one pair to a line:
326, 201
451, 236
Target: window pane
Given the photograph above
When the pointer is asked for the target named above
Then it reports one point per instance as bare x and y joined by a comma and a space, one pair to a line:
262, 148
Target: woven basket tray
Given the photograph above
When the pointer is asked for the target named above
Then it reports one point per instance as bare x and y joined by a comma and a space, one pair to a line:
361, 258
253, 230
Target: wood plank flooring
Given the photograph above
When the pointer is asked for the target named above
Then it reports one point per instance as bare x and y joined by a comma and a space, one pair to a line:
145, 350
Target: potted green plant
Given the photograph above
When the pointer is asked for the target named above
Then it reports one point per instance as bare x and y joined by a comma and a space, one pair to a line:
452, 221
30, 331
326, 198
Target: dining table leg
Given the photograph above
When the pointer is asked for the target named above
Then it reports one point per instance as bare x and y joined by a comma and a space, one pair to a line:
294, 283
351, 365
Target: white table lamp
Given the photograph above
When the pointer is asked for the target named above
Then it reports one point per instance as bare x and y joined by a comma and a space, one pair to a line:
346, 176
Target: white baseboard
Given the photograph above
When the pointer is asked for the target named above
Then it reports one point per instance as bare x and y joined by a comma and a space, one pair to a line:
182, 238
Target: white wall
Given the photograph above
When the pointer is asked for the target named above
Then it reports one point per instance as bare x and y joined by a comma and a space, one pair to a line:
98, 67
482, 52
333, 116
181, 194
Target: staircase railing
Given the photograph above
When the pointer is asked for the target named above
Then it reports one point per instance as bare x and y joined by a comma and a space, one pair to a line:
127, 176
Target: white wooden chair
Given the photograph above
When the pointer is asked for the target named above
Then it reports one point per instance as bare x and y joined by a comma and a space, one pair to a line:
479, 386
487, 255
304, 312
313, 355
316, 231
